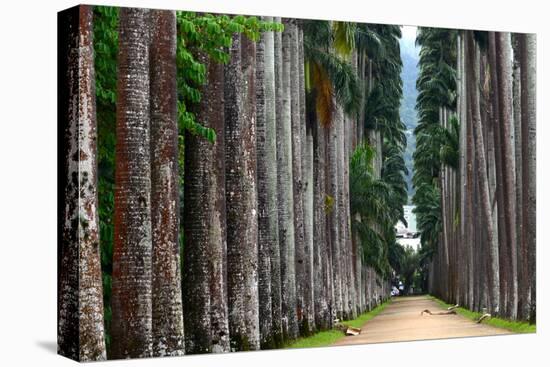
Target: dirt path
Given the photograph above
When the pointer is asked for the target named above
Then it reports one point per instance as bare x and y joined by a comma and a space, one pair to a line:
401, 321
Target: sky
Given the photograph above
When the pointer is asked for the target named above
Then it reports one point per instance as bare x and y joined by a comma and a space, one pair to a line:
408, 33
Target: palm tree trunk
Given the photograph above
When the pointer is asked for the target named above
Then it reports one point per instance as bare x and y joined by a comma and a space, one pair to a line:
276, 104
341, 208
240, 171
333, 209
167, 321
321, 273
473, 79
286, 198
346, 137
298, 183
504, 71
80, 291
132, 254
267, 181
500, 189
307, 172
528, 52
523, 271
309, 317
493, 154
204, 281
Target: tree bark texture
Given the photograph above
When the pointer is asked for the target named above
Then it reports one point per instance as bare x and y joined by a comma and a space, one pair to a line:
276, 102
167, 324
504, 71
473, 69
80, 291
298, 182
268, 236
307, 171
132, 255
528, 62
333, 218
205, 261
241, 204
285, 192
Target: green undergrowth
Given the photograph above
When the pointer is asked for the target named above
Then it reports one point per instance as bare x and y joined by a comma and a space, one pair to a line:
513, 326
329, 337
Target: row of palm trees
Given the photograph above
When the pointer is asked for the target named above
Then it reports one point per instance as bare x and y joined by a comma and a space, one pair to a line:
263, 123
475, 168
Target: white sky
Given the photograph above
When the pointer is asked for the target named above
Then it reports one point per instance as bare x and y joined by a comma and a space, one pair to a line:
409, 33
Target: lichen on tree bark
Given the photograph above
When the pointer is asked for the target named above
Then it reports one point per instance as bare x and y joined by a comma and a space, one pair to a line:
131, 295
80, 312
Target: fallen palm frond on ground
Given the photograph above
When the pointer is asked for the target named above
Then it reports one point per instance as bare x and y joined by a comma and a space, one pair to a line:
352, 331
348, 330
483, 317
437, 313
329, 337
514, 326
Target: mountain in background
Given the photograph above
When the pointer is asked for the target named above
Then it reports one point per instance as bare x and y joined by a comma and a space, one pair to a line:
409, 74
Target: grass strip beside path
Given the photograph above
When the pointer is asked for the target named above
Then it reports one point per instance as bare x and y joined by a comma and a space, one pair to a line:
329, 337
513, 326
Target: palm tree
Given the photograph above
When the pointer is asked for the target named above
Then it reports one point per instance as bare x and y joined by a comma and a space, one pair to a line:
331, 81
285, 185
528, 50
268, 230
523, 271
240, 172
167, 324
321, 260
504, 71
80, 292
132, 254
473, 99
307, 172
204, 281
437, 96
298, 183
500, 170
334, 213
281, 214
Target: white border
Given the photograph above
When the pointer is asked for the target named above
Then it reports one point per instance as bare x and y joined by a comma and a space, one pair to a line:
28, 181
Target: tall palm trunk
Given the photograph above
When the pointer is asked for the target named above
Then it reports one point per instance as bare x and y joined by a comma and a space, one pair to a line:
504, 71
298, 183
167, 324
268, 229
351, 275
500, 189
132, 255
333, 219
204, 280
473, 99
240, 170
285, 185
468, 189
528, 61
321, 275
308, 320
80, 292
493, 156
523, 271
276, 103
